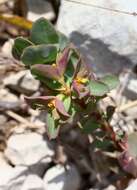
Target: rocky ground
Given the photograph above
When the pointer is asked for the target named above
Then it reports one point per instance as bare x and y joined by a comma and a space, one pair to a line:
30, 161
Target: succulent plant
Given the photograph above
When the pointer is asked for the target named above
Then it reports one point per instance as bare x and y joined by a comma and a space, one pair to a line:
73, 89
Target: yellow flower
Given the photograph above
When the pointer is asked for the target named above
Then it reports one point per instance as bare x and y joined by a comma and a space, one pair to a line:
51, 104
81, 80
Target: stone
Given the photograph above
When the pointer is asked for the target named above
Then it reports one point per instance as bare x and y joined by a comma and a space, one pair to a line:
132, 186
33, 182
41, 8
131, 87
8, 100
28, 149
7, 48
107, 39
11, 178
3, 120
3, 1
110, 187
7, 96
22, 82
58, 178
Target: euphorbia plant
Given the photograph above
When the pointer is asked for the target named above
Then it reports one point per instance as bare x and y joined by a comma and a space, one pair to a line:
72, 89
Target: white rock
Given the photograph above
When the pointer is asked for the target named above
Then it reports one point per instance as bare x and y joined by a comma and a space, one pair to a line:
108, 39
110, 187
29, 84
58, 178
133, 185
41, 8
12, 178
3, 119
28, 149
131, 87
7, 48
33, 182
22, 82
6, 96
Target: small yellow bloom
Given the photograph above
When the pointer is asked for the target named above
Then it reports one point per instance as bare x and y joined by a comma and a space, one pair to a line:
51, 104
54, 65
81, 80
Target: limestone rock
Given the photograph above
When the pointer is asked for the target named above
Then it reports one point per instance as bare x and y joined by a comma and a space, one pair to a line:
28, 149
41, 8
7, 48
110, 187
33, 182
107, 39
22, 82
11, 178
132, 186
58, 178
3, 119
8, 100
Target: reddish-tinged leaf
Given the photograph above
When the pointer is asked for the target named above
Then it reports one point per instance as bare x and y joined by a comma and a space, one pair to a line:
47, 71
44, 100
80, 89
78, 65
82, 70
41, 100
63, 60
128, 163
60, 107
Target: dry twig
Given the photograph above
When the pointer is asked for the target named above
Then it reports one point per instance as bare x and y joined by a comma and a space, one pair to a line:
126, 106
21, 119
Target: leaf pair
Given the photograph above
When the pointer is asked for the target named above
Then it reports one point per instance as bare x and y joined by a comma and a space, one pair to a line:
42, 33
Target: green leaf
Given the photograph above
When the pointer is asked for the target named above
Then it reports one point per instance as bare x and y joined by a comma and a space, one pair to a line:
111, 81
62, 61
90, 126
43, 32
52, 126
71, 66
52, 84
98, 88
39, 54
132, 144
67, 102
63, 41
19, 45
102, 144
